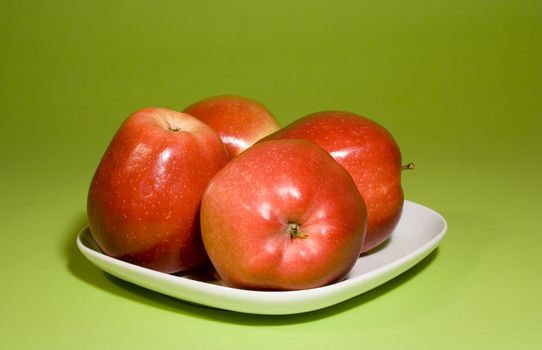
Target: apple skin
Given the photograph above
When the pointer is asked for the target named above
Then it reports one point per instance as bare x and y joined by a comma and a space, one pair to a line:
283, 215
143, 201
239, 121
369, 153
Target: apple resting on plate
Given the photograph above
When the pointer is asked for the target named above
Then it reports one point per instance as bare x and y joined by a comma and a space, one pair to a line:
283, 215
143, 202
239, 121
369, 153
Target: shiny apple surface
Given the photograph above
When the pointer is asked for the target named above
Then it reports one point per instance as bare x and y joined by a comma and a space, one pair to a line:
371, 156
238, 120
143, 201
282, 215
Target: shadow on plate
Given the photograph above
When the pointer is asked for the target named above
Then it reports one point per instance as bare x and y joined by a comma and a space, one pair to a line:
84, 270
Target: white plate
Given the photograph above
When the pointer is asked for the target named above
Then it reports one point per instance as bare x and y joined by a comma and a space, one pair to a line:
419, 232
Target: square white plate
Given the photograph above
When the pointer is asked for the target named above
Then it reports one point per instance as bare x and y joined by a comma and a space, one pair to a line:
418, 233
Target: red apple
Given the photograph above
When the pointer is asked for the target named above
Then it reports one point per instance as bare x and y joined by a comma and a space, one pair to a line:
369, 153
283, 215
143, 202
239, 121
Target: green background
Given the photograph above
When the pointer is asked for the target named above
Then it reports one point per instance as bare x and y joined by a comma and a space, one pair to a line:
459, 85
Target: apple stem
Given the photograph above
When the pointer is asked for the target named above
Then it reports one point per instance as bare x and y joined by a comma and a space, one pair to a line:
293, 230
172, 128
408, 166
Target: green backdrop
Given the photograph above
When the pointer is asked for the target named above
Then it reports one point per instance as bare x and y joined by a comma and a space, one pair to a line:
459, 84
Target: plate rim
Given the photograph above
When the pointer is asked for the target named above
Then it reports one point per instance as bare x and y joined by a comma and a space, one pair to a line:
261, 301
